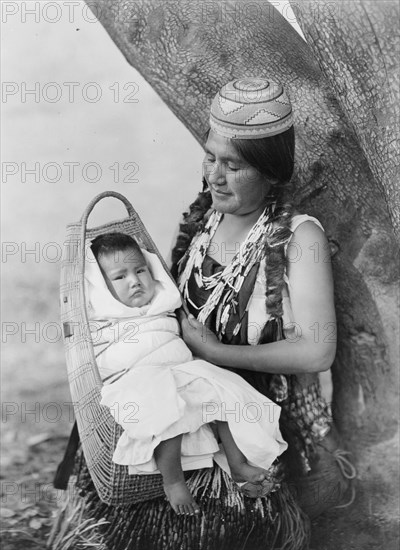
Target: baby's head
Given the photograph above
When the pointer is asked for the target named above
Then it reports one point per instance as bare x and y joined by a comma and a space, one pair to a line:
124, 269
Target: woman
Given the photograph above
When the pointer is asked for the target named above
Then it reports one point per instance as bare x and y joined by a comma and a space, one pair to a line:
257, 276
257, 273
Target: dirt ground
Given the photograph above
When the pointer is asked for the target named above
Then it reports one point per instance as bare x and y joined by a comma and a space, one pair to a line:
34, 422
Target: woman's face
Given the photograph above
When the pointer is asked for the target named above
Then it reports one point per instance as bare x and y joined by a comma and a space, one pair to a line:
236, 187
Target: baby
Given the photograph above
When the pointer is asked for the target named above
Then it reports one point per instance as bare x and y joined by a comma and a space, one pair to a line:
165, 399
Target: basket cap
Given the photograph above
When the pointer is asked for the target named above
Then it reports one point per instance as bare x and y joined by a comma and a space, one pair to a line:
251, 108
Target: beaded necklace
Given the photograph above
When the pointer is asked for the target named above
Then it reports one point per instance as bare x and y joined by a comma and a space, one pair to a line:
227, 283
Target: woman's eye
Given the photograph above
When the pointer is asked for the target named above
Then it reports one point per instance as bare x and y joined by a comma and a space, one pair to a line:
210, 159
233, 168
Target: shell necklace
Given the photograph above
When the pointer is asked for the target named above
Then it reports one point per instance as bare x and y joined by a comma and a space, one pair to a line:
226, 283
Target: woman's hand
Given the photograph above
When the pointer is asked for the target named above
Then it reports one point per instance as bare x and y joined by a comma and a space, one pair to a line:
201, 341
310, 346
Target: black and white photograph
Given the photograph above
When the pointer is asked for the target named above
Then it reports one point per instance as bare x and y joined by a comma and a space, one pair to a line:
200, 225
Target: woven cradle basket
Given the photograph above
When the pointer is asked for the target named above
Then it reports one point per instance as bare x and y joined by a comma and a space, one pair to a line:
98, 431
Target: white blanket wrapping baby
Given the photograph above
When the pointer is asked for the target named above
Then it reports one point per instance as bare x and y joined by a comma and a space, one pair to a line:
156, 390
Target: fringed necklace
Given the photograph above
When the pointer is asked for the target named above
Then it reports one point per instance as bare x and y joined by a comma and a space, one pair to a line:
227, 283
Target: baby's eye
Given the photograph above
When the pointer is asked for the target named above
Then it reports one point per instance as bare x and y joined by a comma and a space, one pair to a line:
119, 277
142, 270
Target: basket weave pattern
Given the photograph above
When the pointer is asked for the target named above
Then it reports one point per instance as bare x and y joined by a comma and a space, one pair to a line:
98, 431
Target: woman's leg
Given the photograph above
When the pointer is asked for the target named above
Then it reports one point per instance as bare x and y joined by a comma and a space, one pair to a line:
241, 470
168, 458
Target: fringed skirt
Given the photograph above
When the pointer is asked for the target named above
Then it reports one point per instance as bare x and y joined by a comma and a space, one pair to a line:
228, 520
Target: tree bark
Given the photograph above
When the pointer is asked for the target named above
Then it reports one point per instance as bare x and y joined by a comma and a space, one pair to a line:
356, 45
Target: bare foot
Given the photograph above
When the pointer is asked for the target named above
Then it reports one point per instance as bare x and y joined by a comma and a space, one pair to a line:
256, 490
251, 480
242, 471
180, 498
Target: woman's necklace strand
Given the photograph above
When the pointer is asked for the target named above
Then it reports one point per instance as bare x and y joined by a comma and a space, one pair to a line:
226, 283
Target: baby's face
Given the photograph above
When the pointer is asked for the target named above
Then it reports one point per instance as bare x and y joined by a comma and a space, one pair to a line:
128, 277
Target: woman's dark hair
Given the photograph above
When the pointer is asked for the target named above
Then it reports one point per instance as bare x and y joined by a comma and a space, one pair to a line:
271, 156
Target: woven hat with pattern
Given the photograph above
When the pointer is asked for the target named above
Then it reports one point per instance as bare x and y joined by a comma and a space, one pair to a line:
251, 108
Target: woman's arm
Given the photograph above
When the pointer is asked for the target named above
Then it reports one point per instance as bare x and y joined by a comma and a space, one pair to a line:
312, 348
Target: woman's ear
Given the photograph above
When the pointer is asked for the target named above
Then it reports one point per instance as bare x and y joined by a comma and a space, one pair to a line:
271, 181
272, 184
